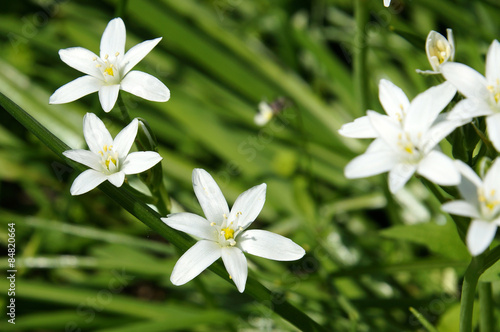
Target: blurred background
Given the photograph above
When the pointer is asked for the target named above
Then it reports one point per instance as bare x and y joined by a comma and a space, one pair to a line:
85, 264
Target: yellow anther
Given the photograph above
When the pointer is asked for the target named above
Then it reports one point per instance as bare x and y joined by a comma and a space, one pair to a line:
408, 148
98, 66
94, 58
100, 152
212, 224
230, 277
224, 215
106, 57
117, 53
105, 148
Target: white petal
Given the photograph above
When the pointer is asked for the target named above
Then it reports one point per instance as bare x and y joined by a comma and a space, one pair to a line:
211, 199
468, 81
399, 176
468, 173
113, 38
369, 164
87, 181
439, 168
145, 86
451, 40
392, 98
493, 62
425, 108
248, 206
138, 162
137, 53
492, 178
125, 138
493, 127
359, 128
95, 132
461, 208
386, 129
117, 179
480, 235
236, 265
194, 261
437, 133
387, 3
269, 245
81, 59
192, 224
85, 157
108, 95
467, 109
75, 89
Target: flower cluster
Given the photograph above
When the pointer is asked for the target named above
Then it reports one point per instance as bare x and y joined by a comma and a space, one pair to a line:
223, 234
407, 137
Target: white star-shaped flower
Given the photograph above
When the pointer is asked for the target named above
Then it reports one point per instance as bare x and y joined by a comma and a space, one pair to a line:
110, 72
108, 159
481, 203
405, 149
395, 104
223, 233
265, 114
482, 93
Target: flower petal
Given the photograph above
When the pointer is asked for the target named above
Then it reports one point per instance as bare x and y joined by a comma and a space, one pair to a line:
425, 107
369, 164
192, 224
81, 59
95, 132
236, 265
493, 63
108, 95
75, 89
480, 235
113, 38
461, 208
492, 179
85, 157
87, 181
437, 133
393, 99
359, 128
194, 261
138, 162
125, 138
387, 3
493, 126
399, 176
269, 245
137, 53
468, 81
439, 168
386, 128
211, 199
145, 86
248, 206
467, 109
117, 179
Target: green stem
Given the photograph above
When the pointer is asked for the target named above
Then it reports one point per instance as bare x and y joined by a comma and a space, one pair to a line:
360, 48
468, 293
150, 218
123, 109
486, 320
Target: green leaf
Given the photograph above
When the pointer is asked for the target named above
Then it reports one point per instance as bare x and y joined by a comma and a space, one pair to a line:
442, 239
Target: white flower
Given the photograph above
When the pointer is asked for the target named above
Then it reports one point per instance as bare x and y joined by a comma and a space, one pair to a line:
223, 233
481, 203
482, 93
387, 3
408, 148
108, 159
439, 50
110, 72
265, 114
395, 104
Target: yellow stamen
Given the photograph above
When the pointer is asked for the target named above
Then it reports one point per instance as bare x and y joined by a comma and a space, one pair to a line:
117, 53
109, 71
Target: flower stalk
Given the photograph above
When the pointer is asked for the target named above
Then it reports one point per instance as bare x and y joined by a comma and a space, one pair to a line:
486, 320
360, 48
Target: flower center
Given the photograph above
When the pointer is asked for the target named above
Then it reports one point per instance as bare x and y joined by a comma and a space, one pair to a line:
442, 51
109, 158
226, 232
109, 68
411, 151
495, 90
489, 202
